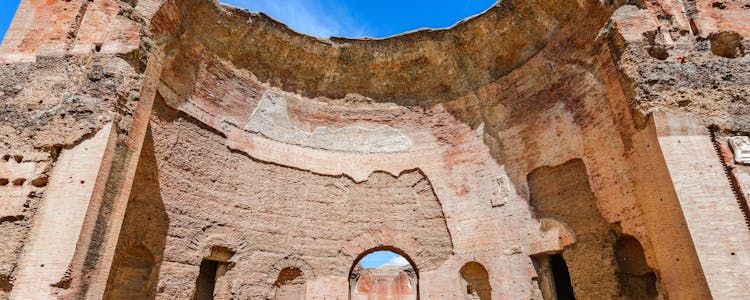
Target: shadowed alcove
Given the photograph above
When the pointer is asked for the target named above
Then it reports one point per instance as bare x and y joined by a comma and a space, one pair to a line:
135, 268
290, 285
637, 280
476, 280
134, 274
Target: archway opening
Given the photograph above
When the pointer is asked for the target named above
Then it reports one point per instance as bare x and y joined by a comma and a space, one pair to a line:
290, 285
383, 273
476, 280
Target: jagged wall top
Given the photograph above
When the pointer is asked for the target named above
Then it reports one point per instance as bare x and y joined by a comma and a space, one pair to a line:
425, 66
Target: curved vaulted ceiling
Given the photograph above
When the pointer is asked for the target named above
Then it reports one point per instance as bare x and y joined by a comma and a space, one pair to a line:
424, 66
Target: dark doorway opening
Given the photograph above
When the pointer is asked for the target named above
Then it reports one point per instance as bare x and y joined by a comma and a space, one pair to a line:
563, 288
211, 282
206, 282
554, 277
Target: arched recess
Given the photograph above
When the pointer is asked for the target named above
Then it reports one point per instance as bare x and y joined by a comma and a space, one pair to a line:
476, 280
636, 279
357, 274
134, 274
290, 285
291, 271
563, 193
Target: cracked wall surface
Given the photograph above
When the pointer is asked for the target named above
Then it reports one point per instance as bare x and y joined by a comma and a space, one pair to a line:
591, 129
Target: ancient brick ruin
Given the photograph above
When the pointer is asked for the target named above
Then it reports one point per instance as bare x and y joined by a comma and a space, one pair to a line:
182, 149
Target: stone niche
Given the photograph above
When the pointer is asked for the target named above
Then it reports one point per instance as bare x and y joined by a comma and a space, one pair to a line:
590, 264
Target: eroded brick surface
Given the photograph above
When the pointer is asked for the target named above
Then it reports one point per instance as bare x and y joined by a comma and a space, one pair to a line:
270, 161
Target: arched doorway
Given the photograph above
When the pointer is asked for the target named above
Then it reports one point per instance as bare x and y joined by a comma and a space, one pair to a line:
383, 273
476, 280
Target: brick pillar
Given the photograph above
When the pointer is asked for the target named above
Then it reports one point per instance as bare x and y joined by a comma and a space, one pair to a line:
76, 179
712, 215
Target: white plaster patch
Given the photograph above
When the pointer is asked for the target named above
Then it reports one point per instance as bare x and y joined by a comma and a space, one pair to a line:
741, 147
500, 197
480, 130
271, 119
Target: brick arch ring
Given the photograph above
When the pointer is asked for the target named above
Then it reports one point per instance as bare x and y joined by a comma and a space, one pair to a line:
202, 245
385, 240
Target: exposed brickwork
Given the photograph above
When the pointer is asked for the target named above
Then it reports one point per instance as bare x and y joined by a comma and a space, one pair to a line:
278, 159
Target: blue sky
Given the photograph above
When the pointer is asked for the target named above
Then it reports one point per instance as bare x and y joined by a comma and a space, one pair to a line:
346, 18
379, 258
377, 19
7, 10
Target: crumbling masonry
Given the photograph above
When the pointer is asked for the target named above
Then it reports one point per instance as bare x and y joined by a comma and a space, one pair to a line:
183, 149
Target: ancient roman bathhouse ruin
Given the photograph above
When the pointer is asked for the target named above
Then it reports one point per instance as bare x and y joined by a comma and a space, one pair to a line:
182, 149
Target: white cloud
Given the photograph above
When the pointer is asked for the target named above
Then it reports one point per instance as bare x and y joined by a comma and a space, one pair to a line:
398, 261
311, 17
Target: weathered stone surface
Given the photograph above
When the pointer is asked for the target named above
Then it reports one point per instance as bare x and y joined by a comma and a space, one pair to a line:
741, 147
271, 120
53, 239
270, 161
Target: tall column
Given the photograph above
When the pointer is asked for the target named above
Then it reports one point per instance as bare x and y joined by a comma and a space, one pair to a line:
122, 184
74, 181
714, 219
